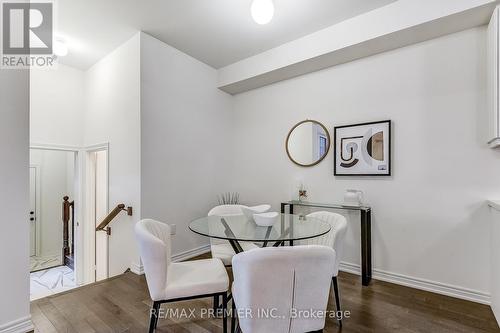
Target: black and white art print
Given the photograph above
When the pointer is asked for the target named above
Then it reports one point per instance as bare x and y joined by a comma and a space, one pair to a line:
363, 149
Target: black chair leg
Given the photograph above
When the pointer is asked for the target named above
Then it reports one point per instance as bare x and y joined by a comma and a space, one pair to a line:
155, 312
233, 316
337, 297
216, 306
224, 313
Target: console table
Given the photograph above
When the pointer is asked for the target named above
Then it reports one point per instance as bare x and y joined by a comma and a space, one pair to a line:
366, 230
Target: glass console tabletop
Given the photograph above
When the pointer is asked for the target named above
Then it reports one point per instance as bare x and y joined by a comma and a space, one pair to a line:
238, 228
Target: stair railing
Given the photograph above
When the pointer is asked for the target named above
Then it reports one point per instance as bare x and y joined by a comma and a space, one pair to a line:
107, 220
68, 214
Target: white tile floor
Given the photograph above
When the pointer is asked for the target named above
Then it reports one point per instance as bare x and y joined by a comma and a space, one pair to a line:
51, 281
43, 262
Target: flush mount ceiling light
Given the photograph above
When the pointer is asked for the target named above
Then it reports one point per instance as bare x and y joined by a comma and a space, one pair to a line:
262, 11
60, 48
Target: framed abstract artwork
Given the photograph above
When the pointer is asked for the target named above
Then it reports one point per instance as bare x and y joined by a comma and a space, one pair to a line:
363, 149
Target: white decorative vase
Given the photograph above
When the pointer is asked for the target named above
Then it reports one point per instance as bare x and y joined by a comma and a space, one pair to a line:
353, 198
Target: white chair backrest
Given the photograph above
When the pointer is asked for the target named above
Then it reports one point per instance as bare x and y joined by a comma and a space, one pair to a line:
154, 247
282, 278
226, 210
335, 238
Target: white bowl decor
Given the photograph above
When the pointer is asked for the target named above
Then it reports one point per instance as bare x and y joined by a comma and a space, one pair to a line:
249, 211
266, 219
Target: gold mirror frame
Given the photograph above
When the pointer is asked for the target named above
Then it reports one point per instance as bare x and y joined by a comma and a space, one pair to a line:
327, 148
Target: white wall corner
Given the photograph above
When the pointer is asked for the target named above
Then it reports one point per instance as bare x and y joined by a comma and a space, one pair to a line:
22, 325
422, 284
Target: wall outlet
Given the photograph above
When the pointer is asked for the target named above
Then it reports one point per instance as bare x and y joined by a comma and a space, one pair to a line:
173, 229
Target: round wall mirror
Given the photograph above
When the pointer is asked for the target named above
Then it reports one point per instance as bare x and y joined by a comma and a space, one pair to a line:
307, 143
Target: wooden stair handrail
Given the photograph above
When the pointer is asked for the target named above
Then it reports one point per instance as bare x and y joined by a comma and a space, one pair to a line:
107, 220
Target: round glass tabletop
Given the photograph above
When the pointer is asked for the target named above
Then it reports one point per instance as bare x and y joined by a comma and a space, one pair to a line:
237, 227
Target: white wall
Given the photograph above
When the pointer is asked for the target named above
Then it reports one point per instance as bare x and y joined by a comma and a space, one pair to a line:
495, 260
429, 219
185, 139
70, 107
112, 114
14, 200
55, 182
57, 106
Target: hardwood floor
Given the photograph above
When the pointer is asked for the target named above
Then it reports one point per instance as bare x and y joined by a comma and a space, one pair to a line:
121, 304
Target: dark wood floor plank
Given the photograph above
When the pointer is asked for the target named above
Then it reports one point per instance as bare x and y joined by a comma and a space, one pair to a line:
74, 312
104, 311
124, 308
40, 321
55, 316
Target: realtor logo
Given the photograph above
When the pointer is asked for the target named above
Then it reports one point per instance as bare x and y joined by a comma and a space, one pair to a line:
27, 31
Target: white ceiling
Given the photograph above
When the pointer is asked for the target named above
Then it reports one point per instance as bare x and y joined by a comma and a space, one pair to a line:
217, 32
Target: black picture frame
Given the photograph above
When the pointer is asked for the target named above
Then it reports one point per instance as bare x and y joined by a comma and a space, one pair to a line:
335, 152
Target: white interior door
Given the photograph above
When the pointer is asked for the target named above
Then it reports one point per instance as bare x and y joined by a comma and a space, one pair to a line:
32, 218
101, 210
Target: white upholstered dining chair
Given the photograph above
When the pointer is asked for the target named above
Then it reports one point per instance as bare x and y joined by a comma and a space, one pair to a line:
173, 282
280, 279
221, 248
334, 239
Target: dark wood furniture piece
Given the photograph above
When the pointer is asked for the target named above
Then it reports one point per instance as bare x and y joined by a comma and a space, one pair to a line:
366, 237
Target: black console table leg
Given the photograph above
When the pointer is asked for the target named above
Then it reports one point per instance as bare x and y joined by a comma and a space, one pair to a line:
366, 247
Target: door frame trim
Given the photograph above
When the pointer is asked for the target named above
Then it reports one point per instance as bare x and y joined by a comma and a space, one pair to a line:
89, 234
50, 146
37, 208
84, 234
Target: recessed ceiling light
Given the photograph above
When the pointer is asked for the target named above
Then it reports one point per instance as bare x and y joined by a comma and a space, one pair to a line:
60, 48
262, 11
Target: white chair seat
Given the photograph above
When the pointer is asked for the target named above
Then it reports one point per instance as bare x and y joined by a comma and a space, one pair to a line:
200, 277
225, 252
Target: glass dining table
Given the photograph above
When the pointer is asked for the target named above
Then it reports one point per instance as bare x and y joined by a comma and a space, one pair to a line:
237, 228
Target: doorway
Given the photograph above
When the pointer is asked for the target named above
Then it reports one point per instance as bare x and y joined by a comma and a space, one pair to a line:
53, 181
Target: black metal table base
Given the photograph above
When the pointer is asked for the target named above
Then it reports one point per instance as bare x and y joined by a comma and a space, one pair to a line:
366, 235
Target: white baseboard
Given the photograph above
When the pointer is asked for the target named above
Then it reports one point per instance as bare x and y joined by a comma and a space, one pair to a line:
22, 325
139, 269
422, 284
191, 253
